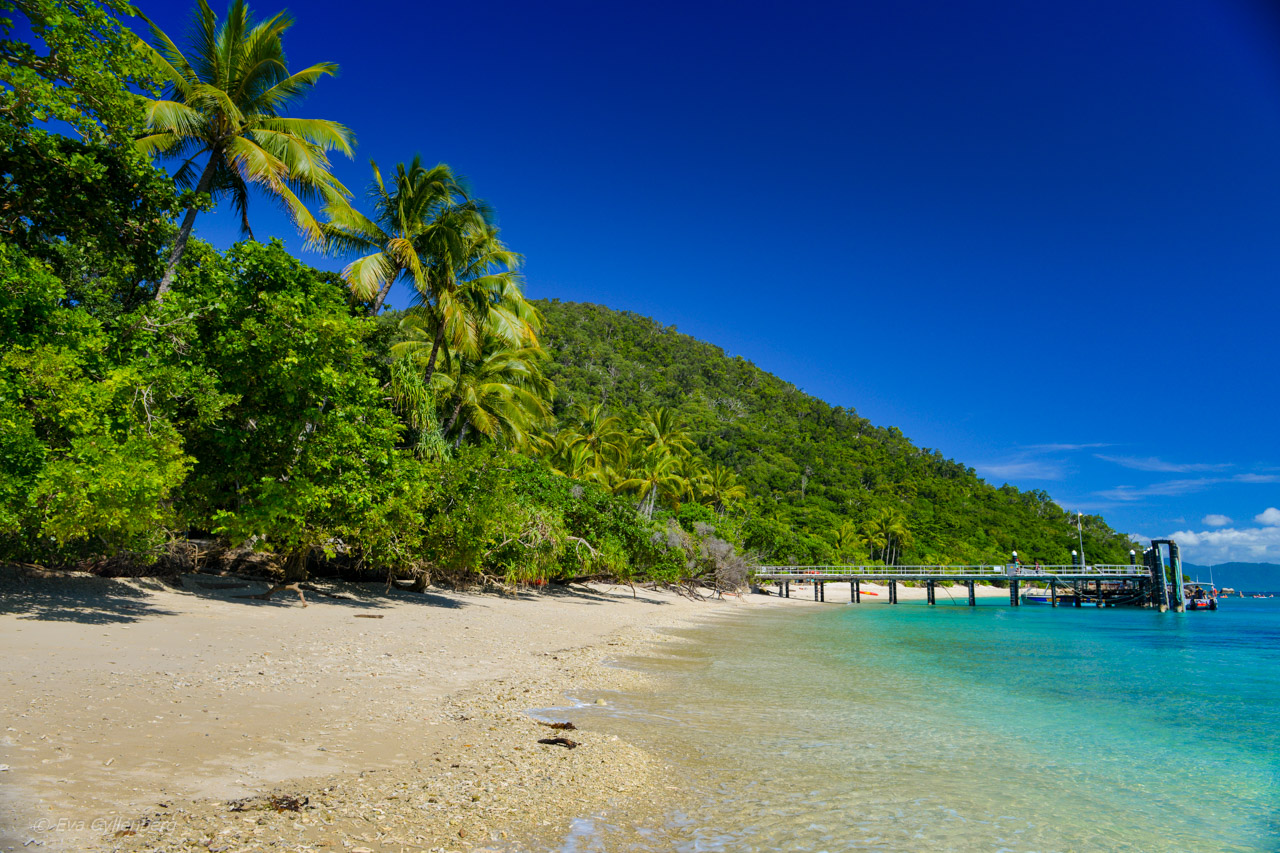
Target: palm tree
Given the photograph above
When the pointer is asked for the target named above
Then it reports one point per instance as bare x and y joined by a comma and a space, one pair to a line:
424, 215
846, 539
226, 98
602, 434
476, 291
887, 533
719, 486
662, 429
657, 475
502, 394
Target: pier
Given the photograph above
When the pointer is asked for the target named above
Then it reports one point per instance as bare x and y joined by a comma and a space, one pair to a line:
1074, 585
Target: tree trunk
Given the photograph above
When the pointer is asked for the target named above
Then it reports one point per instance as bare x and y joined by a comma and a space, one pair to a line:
188, 222
435, 351
454, 419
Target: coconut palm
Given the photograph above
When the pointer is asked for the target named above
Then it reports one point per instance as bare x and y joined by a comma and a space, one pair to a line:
657, 475
424, 215
663, 429
846, 539
886, 534
226, 98
501, 394
719, 486
602, 434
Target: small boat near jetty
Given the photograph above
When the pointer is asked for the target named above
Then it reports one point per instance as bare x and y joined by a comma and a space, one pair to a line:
1200, 596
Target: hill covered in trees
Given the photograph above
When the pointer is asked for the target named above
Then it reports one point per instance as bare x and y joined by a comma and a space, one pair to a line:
161, 400
818, 477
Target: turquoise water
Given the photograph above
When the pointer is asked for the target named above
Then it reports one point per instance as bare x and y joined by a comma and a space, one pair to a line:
877, 727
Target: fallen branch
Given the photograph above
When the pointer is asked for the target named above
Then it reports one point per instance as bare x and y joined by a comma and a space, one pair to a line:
280, 587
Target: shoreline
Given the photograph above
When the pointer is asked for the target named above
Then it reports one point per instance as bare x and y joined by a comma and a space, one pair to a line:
146, 717
138, 713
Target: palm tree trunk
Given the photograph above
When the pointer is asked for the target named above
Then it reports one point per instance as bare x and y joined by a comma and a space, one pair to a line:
188, 222
435, 351
453, 418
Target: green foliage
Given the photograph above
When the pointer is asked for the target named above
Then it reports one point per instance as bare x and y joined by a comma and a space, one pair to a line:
75, 69
91, 454
812, 469
257, 404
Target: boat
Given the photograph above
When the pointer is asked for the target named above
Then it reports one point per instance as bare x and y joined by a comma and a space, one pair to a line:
1199, 596
1065, 599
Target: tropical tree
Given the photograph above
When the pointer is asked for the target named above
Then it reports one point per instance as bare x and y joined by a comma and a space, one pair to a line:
601, 434
225, 97
846, 539
501, 395
886, 534
719, 486
663, 429
476, 292
424, 216
657, 475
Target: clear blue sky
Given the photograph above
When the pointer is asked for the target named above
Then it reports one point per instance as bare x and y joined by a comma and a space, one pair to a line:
1041, 237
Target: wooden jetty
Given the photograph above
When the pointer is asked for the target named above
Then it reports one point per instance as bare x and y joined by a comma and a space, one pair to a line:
1150, 583
1099, 585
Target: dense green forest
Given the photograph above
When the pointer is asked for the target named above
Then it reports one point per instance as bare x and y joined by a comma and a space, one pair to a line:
162, 401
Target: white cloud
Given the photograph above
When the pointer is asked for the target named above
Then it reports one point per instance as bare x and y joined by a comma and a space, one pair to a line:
1215, 520
1151, 463
1173, 488
1249, 545
1020, 469
1063, 448
1269, 516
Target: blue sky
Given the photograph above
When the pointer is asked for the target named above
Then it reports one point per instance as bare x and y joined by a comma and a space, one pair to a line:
1043, 238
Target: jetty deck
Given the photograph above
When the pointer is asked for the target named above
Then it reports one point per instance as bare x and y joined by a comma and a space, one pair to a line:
1104, 583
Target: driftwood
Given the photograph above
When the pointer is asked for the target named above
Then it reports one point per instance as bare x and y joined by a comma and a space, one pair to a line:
559, 741
279, 587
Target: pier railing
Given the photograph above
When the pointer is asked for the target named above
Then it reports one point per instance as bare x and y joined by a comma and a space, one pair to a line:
925, 572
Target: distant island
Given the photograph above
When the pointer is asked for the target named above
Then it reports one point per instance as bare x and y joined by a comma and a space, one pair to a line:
1245, 577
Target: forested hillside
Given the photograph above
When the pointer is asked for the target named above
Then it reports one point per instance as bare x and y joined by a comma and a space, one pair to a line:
163, 402
811, 469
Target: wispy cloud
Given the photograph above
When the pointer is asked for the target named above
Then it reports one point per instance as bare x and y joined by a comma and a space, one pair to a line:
1064, 448
1021, 469
1152, 464
1215, 520
1175, 488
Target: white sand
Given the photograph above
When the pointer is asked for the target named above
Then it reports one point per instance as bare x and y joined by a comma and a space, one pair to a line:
125, 699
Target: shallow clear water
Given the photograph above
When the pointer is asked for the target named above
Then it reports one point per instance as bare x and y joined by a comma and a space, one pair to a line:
953, 728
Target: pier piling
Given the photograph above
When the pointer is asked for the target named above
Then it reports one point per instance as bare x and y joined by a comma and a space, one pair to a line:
973, 599
931, 595
1013, 592
855, 594
1053, 593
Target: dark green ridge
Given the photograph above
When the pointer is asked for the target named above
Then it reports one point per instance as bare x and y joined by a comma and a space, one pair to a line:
812, 466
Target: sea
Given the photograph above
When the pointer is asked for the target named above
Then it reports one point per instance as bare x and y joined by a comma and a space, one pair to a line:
908, 727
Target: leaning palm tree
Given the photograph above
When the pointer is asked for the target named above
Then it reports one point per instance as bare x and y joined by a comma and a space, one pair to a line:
425, 214
226, 98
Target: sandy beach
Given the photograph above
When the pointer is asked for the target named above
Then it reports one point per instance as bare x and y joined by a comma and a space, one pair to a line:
140, 716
